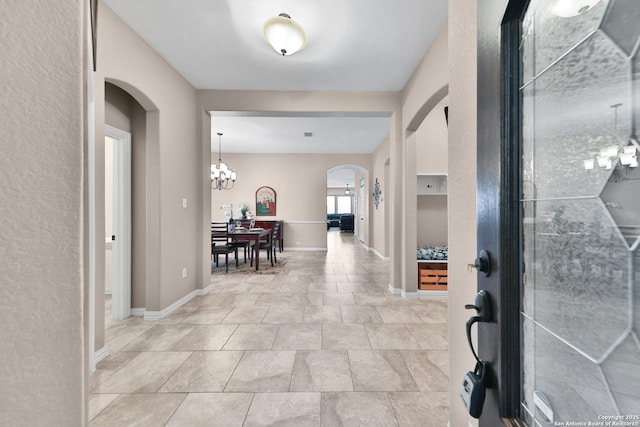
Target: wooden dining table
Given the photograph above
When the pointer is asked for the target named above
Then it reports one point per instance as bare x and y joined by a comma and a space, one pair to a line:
253, 234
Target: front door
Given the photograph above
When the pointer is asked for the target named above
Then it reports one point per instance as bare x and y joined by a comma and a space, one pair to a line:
559, 210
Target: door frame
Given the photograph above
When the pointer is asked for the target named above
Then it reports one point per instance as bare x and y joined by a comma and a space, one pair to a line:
121, 288
498, 192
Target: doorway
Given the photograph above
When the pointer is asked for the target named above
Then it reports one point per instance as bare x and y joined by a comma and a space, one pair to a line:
560, 218
118, 220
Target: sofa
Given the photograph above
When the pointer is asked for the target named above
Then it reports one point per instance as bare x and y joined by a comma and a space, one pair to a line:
346, 222
333, 220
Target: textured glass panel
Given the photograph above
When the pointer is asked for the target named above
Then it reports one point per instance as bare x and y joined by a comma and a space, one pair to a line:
635, 88
527, 44
555, 35
622, 370
622, 198
581, 276
529, 230
573, 384
528, 139
622, 23
574, 118
528, 369
636, 294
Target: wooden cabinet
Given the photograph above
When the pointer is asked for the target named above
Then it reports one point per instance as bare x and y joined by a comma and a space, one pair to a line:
432, 276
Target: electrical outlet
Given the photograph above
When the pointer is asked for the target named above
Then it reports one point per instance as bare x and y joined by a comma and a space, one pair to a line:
297, 243
184, 273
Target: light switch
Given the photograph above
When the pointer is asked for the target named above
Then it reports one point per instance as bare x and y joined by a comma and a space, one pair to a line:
184, 203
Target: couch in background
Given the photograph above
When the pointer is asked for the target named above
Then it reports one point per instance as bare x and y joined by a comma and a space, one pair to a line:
333, 220
346, 222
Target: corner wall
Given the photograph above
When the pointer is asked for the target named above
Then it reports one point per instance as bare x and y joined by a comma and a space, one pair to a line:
172, 151
43, 117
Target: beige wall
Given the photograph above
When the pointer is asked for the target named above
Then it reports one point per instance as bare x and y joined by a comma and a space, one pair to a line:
172, 150
461, 192
378, 227
424, 91
270, 101
432, 220
300, 182
431, 143
42, 117
122, 111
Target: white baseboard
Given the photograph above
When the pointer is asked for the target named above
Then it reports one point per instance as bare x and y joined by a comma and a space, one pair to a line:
378, 254
393, 290
137, 312
418, 294
433, 294
100, 354
157, 315
296, 249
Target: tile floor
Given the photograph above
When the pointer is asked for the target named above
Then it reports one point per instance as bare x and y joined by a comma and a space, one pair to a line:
323, 343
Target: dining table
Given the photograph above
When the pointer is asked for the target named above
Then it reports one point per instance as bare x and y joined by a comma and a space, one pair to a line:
251, 234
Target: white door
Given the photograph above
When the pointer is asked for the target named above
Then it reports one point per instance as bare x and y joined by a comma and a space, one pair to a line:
121, 230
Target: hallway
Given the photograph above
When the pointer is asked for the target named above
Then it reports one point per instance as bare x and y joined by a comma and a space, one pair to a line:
321, 343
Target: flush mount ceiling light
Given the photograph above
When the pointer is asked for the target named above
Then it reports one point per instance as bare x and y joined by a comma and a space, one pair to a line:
284, 34
222, 178
570, 8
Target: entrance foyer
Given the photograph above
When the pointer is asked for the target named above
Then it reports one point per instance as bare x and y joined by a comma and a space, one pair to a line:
322, 342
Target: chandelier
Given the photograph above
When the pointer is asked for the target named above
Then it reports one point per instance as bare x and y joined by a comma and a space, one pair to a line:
222, 177
347, 191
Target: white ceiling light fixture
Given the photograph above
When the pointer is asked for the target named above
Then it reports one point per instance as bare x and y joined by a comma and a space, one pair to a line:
284, 34
222, 178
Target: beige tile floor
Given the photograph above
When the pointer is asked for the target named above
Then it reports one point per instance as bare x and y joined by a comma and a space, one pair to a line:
322, 343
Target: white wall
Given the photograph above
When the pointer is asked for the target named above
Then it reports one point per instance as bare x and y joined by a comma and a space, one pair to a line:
42, 116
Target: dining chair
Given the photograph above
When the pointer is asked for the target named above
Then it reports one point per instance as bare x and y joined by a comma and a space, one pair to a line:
264, 244
220, 243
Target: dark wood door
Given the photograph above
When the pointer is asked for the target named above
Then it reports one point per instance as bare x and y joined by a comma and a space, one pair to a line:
558, 209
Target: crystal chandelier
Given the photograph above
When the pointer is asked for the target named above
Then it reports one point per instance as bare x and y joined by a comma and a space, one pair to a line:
222, 177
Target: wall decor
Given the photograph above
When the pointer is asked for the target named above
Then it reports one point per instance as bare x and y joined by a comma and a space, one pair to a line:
377, 193
265, 201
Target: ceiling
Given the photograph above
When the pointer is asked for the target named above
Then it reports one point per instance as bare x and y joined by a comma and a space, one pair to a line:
352, 45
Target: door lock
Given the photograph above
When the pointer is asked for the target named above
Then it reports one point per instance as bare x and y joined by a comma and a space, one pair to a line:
482, 263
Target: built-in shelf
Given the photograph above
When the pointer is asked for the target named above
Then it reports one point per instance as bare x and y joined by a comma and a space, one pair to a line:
432, 185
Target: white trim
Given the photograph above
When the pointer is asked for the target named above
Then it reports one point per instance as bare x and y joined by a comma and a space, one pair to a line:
378, 254
100, 354
303, 222
137, 312
409, 295
91, 177
394, 290
433, 294
107, 291
296, 249
157, 315
418, 294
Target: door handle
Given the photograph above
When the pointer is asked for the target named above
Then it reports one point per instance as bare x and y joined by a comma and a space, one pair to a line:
482, 306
